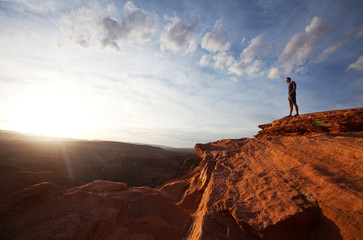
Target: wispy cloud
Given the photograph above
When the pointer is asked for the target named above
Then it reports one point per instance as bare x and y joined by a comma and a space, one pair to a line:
223, 59
204, 61
251, 69
299, 47
192, 46
249, 53
135, 25
214, 43
88, 26
177, 35
218, 25
248, 63
355, 32
274, 73
358, 65
141, 22
40, 6
114, 31
81, 26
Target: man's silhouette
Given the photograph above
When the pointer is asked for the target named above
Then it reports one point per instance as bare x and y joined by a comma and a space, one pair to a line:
292, 96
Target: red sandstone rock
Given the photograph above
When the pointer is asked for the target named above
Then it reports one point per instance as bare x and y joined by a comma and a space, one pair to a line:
98, 210
293, 187
287, 183
13, 178
349, 120
285, 187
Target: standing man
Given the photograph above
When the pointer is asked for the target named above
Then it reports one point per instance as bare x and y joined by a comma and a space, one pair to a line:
292, 96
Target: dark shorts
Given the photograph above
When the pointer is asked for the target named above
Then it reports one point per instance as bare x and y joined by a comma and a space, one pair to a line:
292, 99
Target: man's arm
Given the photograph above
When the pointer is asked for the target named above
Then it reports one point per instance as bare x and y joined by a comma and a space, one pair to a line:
293, 89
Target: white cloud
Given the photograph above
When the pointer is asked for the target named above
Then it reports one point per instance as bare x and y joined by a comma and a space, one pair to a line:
358, 65
177, 35
136, 25
355, 32
248, 54
114, 31
214, 43
111, 7
300, 45
82, 26
204, 61
192, 46
248, 63
274, 73
142, 23
251, 69
223, 59
87, 26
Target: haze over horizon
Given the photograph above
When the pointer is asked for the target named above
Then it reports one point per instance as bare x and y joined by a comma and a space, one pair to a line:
173, 73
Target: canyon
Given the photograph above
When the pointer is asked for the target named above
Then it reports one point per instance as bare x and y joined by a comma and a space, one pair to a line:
133, 164
298, 178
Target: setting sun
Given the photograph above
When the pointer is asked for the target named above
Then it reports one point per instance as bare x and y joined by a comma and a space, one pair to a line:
50, 115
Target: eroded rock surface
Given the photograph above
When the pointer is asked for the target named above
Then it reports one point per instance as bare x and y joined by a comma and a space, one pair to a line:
281, 185
294, 181
57, 208
348, 120
291, 187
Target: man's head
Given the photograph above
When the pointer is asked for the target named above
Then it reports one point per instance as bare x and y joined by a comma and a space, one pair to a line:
288, 79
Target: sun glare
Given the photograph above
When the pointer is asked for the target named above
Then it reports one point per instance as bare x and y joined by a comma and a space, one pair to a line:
50, 115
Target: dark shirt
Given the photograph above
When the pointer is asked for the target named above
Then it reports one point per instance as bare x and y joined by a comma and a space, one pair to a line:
291, 86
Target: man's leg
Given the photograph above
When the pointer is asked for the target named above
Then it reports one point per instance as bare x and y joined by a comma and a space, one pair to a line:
293, 102
296, 108
291, 107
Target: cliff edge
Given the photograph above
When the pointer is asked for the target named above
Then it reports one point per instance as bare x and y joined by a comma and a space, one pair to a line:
300, 178
286, 183
348, 120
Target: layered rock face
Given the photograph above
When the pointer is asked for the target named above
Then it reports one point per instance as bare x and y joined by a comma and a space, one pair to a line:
291, 182
295, 185
283, 188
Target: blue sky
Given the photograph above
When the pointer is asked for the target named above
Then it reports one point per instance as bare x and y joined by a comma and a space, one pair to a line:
174, 72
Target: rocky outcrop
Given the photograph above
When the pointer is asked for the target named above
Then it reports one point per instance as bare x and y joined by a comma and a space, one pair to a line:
348, 120
291, 187
56, 208
302, 185
293, 181
13, 179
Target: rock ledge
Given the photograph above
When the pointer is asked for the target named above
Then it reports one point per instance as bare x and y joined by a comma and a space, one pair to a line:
348, 120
